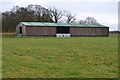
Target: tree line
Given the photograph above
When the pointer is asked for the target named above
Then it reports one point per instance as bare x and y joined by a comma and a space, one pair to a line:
37, 13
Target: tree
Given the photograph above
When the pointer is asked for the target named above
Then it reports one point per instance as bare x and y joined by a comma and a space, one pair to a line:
91, 20
88, 20
70, 18
56, 14
23, 14
82, 22
42, 14
30, 13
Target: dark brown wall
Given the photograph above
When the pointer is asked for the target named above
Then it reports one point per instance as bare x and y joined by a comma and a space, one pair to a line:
74, 31
86, 31
102, 31
40, 30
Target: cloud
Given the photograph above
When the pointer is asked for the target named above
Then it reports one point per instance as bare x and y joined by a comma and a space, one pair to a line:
105, 11
59, 1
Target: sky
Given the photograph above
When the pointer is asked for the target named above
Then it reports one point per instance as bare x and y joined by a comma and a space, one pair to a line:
104, 11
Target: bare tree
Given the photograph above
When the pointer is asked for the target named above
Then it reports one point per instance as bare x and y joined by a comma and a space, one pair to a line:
82, 22
70, 18
56, 14
42, 14
88, 20
91, 20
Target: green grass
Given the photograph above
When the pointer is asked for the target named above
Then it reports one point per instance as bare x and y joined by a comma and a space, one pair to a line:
89, 57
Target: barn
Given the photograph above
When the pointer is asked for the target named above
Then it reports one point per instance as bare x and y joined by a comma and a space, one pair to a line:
46, 29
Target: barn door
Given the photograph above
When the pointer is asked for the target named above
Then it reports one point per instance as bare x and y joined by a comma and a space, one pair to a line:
20, 30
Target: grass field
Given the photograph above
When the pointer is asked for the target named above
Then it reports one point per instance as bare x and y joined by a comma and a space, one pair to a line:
89, 57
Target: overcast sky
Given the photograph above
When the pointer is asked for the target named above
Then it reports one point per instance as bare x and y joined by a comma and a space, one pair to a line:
105, 11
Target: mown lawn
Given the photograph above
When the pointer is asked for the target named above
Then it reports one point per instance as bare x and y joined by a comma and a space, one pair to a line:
83, 57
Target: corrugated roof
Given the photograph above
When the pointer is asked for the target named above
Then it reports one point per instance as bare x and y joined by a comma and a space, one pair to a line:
59, 24
37, 24
25, 23
51, 24
33, 24
65, 24
79, 25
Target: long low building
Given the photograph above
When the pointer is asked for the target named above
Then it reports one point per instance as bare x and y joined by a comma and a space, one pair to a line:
45, 29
